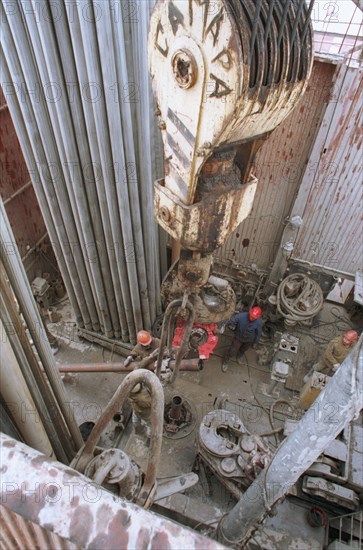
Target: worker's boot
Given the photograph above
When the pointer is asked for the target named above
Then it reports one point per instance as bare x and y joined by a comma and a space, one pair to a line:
307, 376
240, 358
225, 365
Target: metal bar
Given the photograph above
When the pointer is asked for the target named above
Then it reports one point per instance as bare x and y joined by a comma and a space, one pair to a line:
23, 258
45, 47
165, 333
138, 183
296, 22
148, 134
310, 437
36, 72
39, 389
75, 66
283, 21
268, 20
18, 192
46, 156
347, 30
114, 345
20, 285
65, 502
184, 345
99, 218
190, 365
127, 195
350, 276
307, 22
254, 28
18, 399
86, 40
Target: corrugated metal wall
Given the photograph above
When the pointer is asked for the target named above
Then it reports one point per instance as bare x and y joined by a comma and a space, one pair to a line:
75, 76
17, 532
330, 198
280, 165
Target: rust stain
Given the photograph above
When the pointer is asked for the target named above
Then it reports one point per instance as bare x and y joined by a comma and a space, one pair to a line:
81, 523
117, 536
103, 513
143, 539
160, 541
9, 444
74, 502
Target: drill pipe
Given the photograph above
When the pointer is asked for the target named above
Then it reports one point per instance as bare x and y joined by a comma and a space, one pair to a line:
189, 365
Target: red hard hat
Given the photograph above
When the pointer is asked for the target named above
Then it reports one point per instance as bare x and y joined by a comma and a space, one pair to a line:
350, 336
255, 312
144, 337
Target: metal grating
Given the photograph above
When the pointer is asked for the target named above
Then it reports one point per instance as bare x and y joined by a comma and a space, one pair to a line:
347, 529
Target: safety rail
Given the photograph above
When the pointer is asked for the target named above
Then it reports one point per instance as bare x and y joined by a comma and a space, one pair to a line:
349, 527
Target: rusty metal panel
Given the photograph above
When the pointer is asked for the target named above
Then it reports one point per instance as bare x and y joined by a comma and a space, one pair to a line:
330, 203
279, 167
14, 173
15, 188
26, 220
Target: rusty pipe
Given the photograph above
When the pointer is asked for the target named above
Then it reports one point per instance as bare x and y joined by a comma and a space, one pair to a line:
157, 415
176, 407
186, 365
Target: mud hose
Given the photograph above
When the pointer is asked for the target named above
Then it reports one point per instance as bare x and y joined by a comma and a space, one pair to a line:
166, 336
157, 414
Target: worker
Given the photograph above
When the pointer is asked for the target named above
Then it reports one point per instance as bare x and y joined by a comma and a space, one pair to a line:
146, 346
140, 399
335, 353
248, 328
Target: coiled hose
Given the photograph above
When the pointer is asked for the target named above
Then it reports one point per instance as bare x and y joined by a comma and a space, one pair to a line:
302, 305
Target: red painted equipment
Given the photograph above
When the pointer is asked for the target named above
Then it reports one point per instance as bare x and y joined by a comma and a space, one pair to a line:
202, 338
